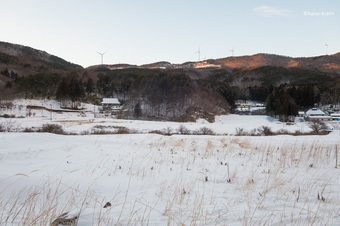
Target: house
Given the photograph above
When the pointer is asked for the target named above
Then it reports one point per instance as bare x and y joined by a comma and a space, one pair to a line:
317, 114
110, 105
336, 116
69, 104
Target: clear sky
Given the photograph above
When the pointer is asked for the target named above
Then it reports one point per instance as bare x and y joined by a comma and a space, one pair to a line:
146, 31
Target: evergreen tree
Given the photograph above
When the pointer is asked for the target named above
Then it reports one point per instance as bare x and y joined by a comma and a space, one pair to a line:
62, 90
71, 89
137, 110
280, 103
76, 89
229, 94
90, 87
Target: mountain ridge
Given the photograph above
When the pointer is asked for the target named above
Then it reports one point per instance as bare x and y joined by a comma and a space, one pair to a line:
324, 63
27, 60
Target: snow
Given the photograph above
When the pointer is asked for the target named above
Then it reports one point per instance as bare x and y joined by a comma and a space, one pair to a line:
315, 112
84, 120
110, 101
152, 179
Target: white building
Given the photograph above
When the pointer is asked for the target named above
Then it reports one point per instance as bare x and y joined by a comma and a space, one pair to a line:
317, 114
110, 105
111, 101
336, 116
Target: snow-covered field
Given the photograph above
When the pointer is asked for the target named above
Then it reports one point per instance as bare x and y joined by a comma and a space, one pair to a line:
152, 179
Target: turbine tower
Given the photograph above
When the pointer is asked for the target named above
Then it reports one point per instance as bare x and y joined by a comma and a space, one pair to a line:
326, 48
232, 51
102, 55
199, 54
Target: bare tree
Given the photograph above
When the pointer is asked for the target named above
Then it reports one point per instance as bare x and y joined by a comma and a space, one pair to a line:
318, 126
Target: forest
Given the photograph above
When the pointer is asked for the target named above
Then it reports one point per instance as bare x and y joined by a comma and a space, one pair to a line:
185, 94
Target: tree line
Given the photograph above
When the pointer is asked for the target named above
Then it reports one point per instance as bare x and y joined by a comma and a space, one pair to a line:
177, 93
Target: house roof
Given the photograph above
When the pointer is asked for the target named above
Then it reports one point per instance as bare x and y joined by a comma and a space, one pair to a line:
110, 101
315, 111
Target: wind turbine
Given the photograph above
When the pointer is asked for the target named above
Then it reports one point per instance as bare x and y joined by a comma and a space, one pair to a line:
199, 54
326, 48
232, 51
102, 55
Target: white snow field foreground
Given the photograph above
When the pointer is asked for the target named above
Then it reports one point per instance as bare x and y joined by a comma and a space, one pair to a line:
152, 179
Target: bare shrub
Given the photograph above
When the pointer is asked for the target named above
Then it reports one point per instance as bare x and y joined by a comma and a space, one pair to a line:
207, 131
29, 130
9, 126
204, 131
156, 131
283, 132
123, 130
52, 128
254, 132
8, 116
102, 132
85, 132
183, 130
318, 126
241, 132
168, 131
297, 133
100, 129
266, 131
7, 104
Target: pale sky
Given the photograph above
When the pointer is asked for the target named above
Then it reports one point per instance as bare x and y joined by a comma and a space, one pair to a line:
147, 31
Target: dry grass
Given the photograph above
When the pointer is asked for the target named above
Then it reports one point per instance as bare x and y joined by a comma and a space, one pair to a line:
282, 184
40, 205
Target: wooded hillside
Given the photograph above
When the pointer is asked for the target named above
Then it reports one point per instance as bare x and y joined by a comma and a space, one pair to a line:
172, 92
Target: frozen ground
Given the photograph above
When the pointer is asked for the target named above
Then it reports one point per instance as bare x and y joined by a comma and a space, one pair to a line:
152, 179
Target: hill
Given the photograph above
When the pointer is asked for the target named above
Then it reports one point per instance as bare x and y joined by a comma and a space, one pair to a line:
28, 60
17, 61
25, 60
325, 63
174, 91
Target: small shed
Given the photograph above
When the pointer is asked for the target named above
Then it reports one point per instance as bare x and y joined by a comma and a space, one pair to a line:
301, 113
